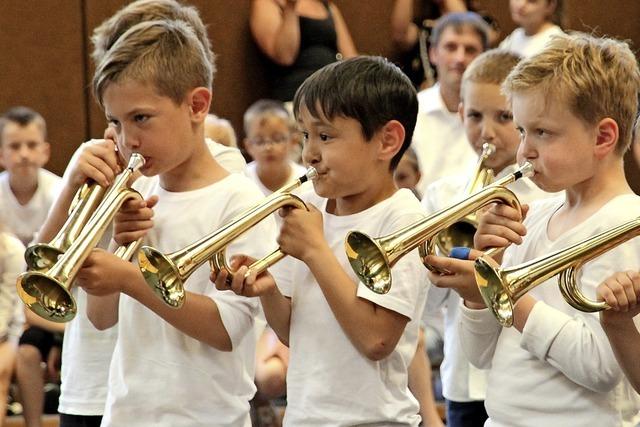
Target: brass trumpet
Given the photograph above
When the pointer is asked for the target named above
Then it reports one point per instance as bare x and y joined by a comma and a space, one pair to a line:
460, 233
47, 293
166, 273
372, 258
42, 256
502, 287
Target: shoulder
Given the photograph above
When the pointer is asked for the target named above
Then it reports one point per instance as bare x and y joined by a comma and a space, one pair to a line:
48, 178
229, 158
444, 191
542, 208
399, 210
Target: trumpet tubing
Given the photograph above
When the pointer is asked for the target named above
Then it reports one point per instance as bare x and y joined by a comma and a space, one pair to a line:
501, 288
47, 293
167, 273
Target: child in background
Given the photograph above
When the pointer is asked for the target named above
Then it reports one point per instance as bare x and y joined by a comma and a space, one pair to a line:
535, 20
269, 142
350, 348
220, 130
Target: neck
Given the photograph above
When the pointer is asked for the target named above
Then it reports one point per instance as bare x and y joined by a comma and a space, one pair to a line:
23, 187
362, 201
595, 192
199, 170
450, 97
532, 31
273, 176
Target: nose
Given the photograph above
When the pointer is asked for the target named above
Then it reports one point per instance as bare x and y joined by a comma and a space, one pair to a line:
488, 132
128, 140
23, 151
310, 153
526, 150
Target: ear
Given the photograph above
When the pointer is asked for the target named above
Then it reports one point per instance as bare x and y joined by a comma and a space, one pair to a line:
199, 100
47, 151
249, 148
461, 110
391, 139
606, 137
433, 56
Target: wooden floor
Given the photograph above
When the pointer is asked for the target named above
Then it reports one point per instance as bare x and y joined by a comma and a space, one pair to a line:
18, 421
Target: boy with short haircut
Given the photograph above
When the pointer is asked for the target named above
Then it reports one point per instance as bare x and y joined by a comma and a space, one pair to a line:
154, 84
269, 142
27, 190
574, 104
349, 347
487, 118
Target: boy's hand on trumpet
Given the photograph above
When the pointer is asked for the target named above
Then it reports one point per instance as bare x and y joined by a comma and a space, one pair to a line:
249, 286
459, 276
133, 220
499, 227
95, 160
622, 293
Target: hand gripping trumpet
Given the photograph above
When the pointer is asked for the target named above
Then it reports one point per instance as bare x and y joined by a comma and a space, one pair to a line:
460, 233
502, 287
167, 273
47, 293
372, 258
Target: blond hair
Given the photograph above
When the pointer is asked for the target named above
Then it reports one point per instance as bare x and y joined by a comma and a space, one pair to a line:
220, 130
106, 34
596, 77
166, 54
492, 67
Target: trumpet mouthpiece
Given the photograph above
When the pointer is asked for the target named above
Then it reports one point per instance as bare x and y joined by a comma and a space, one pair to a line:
136, 161
525, 171
309, 175
488, 149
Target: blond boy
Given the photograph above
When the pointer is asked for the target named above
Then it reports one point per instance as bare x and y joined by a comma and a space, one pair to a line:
574, 104
155, 86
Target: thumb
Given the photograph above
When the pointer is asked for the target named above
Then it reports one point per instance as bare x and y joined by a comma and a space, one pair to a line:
152, 201
524, 211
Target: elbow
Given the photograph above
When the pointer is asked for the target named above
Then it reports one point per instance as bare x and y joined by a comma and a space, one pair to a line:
284, 60
606, 383
377, 350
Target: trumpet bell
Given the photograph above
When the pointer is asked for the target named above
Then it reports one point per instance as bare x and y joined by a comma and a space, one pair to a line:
46, 297
369, 261
162, 275
495, 295
42, 256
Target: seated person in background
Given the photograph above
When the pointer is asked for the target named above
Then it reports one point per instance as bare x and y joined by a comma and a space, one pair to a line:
535, 20
220, 130
299, 37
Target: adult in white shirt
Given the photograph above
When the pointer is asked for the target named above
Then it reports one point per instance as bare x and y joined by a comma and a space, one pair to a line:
439, 139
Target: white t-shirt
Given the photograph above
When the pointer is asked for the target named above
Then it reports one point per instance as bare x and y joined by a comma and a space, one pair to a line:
178, 380
296, 172
86, 351
11, 309
524, 45
25, 220
560, 371
439, 140
462, 382
329, 382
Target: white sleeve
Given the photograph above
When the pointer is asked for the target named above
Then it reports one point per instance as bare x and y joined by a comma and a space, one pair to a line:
576, 346
478, 333
231, 159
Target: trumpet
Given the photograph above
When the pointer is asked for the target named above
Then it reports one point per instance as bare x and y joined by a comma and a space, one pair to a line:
48, 293
41, 256
460, 233
372, 258
502, 287
167, 273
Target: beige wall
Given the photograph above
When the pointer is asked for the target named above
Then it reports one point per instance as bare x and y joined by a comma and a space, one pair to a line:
45, 65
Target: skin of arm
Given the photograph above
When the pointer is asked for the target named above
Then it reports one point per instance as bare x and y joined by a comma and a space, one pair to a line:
346, 47
420, 385
622, 293
276, 31
103, 276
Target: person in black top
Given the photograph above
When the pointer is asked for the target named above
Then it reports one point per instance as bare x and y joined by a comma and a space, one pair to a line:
298, 37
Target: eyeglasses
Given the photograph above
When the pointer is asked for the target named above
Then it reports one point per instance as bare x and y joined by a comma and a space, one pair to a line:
276, 140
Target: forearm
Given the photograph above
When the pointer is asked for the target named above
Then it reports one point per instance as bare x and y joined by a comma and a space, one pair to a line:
403, 31
373, 330
420, 386
58, 214
286, 45
625, 341
479, 333
198, 317
102, 311
277, 310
